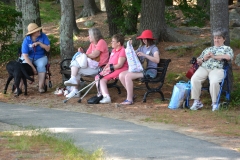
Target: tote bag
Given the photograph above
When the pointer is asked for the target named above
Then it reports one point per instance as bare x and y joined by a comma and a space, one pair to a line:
134, 65
179, 94
81, 58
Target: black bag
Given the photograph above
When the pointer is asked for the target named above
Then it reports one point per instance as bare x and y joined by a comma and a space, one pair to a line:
94, 100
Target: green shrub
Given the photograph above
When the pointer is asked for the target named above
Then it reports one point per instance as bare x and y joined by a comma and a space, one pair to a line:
8, 22
54, 43
194, 15
170, 16
235, 43
9, 52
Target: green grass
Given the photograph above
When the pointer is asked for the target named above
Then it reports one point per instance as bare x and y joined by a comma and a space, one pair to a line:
59, 144
50, 12
235, 43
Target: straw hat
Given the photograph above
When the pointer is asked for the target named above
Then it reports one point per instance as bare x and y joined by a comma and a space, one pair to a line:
33, 27
147, 34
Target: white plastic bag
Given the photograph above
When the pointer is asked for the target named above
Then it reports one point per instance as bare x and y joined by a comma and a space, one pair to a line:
82, 60
134, 65
179, 94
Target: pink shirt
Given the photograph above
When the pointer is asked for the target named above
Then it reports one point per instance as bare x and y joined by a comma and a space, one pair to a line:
103, 48
115, 56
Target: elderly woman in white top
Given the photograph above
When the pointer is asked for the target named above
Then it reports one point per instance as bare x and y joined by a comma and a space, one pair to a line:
210, 66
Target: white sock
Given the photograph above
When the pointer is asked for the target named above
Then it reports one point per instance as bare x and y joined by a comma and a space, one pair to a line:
73, 77
196, 101
106, 95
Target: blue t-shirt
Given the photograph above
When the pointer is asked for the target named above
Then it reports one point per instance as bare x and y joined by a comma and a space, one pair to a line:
36, 52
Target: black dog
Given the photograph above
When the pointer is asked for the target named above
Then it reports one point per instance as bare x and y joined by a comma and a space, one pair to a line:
18, 71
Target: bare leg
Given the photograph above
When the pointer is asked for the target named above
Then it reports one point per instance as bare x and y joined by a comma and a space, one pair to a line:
74, 71
129, 77
122, 76
103, 87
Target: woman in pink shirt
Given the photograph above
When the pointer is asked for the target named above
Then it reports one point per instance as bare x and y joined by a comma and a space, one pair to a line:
117, 63
97, 51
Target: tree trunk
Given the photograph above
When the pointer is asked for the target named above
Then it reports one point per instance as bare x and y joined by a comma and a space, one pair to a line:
114, 15
30, 14
66, 29
230, 2
19, 35
219, 17
76, 30
132, 17
89, 9
102, 5
152, 17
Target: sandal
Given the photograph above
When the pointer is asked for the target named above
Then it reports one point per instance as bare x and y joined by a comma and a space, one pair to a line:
127, 102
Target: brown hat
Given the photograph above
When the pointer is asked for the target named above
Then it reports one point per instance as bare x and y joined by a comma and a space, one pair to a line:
33, 27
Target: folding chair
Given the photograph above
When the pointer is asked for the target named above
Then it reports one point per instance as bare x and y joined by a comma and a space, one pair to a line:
225, 86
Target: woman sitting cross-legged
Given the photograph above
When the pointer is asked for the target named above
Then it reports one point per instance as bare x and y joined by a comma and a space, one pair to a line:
97, 51
117, 63
147, 51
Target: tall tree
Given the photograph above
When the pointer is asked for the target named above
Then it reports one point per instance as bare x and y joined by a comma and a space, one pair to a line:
219, 17
114, 15
153, 18
30, 13
19, 35
89, 9
75, 27
66, 29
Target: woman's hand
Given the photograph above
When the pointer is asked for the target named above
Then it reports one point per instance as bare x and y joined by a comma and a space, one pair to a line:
141, 54
34, 71
199, 61
35, 44
80, 50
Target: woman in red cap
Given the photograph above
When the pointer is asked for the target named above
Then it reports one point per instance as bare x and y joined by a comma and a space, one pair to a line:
149, 51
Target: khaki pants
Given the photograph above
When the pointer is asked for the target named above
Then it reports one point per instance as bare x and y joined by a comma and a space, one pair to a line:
215, 76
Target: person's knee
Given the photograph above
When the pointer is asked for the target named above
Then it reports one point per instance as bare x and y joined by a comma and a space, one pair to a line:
128, 77
121, 76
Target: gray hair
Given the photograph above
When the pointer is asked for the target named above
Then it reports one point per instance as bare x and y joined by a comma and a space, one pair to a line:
220, 32
95, 34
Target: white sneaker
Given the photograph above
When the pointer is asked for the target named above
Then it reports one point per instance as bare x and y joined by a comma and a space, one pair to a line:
196, 105
58, 92
65, 92
106, 99
215, 107
74, 94
71, 82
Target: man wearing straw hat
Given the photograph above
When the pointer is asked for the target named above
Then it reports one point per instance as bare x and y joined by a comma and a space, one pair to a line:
33, 52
